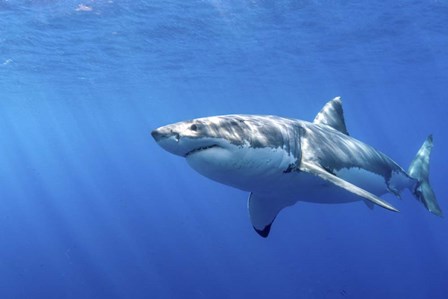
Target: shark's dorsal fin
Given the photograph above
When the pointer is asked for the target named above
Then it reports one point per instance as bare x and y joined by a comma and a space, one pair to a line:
331, 178
332, 115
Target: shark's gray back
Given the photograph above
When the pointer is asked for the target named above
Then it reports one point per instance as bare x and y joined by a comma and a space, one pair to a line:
256, 131
334, 151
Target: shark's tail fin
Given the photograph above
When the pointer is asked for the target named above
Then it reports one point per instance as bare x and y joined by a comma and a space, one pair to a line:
419, 170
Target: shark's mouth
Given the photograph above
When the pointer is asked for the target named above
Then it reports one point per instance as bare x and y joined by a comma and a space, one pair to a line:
200, 149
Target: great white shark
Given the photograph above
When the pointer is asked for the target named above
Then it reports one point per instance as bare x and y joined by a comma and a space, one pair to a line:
282, 161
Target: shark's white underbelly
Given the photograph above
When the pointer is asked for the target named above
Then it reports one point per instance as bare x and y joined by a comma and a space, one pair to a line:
266, 175
300, 186
307, 187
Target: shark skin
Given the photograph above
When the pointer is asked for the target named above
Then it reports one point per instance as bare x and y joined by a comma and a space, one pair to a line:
281, 161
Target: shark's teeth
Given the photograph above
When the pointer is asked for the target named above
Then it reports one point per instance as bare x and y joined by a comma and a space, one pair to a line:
200, 149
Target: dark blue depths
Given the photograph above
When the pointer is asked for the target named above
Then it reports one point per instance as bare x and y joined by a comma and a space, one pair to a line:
91, 207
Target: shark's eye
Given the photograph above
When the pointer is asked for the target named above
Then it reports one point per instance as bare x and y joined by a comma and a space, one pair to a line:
194, 127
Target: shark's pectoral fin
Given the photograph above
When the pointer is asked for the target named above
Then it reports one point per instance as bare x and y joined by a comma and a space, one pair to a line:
329, 177
262, 211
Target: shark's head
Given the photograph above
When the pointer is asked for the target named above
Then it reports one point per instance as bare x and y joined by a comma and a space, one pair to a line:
191, 137
231, 148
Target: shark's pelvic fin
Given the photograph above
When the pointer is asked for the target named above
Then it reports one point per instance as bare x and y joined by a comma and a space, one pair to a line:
332, 115
262, 210
329, 177
369, 204
419, 170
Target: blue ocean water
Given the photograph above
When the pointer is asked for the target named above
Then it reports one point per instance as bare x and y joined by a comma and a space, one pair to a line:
92, 207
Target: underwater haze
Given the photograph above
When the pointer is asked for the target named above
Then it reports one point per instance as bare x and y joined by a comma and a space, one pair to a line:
92, 207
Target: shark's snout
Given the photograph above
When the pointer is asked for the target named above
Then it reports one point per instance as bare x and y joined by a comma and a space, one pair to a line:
157, 135
164, 133
169, 140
